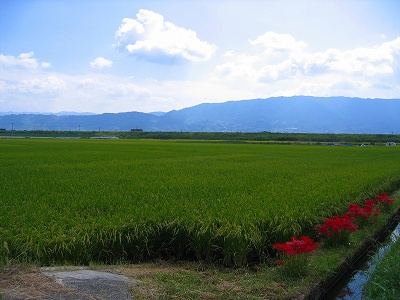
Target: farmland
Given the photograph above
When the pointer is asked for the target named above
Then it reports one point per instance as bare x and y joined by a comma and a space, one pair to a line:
79, 201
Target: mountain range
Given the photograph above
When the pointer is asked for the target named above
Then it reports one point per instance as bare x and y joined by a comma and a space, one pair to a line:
277, 114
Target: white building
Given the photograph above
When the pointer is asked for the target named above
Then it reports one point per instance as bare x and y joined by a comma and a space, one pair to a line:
390, 144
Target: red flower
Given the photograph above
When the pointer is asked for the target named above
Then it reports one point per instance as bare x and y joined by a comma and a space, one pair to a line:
355, 210
297, 246
280, 262
366, 212
384, 198
336, 225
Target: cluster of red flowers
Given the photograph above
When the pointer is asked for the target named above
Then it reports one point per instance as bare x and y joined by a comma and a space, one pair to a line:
297, 246
370, 209
384, 199
336, 225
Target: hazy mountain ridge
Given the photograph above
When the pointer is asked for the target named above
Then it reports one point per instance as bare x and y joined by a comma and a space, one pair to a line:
279, 114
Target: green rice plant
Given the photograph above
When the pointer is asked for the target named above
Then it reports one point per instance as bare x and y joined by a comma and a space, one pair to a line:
101, 200
202, 239
235, 243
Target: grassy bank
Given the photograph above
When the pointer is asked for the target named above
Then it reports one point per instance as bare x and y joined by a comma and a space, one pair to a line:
384, 282
188, 280
172, 279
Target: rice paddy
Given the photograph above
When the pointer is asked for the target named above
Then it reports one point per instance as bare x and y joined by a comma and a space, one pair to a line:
82, 201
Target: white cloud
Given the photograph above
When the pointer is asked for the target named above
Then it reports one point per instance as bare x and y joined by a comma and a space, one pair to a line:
281, 57
44, 92
4, 87
100, 63
46, 85
280, 65
284, 58
238, 67
110, 86
286, 69
45, 65
360, 61
25, 60
151, 38
105, 93
273, 65
229, 53
126, 89
277, 42
32, 91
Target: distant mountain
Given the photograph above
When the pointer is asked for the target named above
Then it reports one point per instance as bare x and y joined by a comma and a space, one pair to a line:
291, 114
105, 122
157, 113
61, 113
72, 113
279, 114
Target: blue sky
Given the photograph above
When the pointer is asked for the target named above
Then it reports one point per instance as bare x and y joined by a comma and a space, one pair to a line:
115, 56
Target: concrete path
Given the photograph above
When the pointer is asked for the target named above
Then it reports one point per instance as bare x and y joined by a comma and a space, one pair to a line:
75, 284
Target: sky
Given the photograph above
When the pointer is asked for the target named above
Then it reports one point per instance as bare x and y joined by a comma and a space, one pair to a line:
116, 56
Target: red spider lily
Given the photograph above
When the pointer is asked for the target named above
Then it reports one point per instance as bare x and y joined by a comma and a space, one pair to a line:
280, 262
297, 246
337, 225
384, 198
370, 209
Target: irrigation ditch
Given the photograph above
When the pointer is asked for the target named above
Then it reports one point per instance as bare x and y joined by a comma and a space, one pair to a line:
347, 281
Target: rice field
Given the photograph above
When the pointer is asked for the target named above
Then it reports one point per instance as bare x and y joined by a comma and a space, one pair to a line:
82, 201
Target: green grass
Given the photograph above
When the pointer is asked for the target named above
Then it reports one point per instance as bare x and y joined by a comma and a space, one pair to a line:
211, 282
384, 282
79, 201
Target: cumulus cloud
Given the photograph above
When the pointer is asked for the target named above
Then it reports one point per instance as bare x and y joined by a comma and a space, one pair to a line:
50, 84
362, 61
25, 60
273, 65
277, 43
283, 57
280, 65
239, 66
31, 91
100, 63
151, 38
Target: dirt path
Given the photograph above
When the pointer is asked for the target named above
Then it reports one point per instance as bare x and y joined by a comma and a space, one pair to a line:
64, 283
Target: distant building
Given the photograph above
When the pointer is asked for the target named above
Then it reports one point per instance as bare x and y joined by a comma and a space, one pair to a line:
390, 144
138, 129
